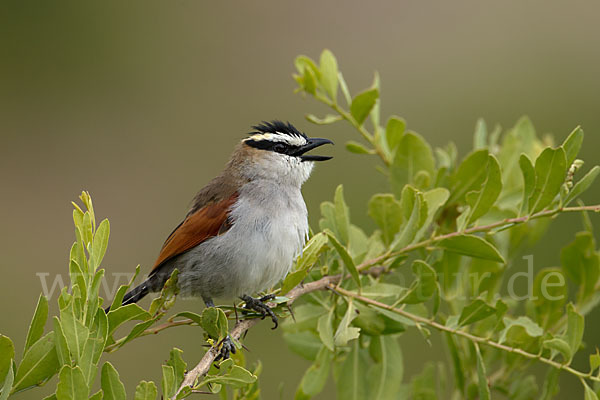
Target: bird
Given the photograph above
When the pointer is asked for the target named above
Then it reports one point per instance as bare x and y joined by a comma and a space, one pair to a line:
246, 226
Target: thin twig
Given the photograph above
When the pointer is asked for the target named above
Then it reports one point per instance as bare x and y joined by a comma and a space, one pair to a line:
472, 338
475, 229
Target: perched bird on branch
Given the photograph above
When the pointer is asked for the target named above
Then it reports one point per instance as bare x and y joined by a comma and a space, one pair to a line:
246, 227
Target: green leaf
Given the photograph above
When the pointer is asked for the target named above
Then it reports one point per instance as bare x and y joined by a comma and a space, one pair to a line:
75, 332
123, 314
481, 201
376, 110
385, 376
381, 290
483, 386
530, 328
179, 366
167, 296
329, 74
146, 391
352, 383
386, 211
455, 354
594, 361
168, 381
342, 214
214, 322
112, 387
394, 131
344, 88
7, 354
100, 242
589, 393
118, 299
345, 332
470, 175
86, 229
357, 148
235, 377
369, 320
480, 136
424, 385
475, 311
197, 318
435, 199
325, 329
293, 279
137, 331
528, 172
303, 62
36, 328
39, 364
98, 336
472, 246
71, 384
550, 389
582, 185
348, 262
550, 172
424, 286
559, 345
60, 341
307, 78
310, 254
413, 155
549, 295
362, 104
414, 210
315, 377
78, 278
575, 327
572, 144
8, 381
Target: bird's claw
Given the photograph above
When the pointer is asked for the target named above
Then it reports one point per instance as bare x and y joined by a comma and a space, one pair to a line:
227, 347
259, 306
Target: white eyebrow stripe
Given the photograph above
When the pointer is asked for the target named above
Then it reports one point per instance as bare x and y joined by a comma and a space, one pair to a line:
292, 140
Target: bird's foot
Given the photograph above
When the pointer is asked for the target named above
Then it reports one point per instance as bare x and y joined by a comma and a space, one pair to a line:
227, 347
259, 306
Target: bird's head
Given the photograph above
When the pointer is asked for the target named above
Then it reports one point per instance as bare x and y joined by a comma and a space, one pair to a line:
277, 150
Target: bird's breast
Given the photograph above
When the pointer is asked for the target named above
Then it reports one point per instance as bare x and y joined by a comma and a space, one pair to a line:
269, 231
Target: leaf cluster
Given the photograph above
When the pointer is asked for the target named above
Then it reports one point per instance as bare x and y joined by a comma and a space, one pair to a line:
449, 231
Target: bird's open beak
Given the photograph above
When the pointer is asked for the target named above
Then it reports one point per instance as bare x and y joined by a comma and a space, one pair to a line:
311, 144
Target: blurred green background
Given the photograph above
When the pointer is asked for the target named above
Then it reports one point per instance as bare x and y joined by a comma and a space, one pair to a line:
141, 102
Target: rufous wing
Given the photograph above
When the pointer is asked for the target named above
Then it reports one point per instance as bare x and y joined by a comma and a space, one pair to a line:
208, 221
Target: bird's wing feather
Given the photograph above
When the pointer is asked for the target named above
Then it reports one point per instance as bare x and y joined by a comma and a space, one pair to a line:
204, 223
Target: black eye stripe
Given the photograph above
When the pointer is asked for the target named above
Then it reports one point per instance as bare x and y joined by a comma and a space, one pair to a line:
278, 147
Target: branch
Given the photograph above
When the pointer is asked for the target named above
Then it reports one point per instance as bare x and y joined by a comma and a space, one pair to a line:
483, 228
466, 335
242, 326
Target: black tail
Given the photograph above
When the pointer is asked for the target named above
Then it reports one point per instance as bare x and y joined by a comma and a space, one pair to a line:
134, 295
